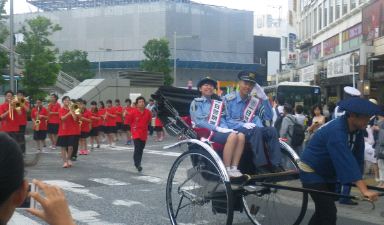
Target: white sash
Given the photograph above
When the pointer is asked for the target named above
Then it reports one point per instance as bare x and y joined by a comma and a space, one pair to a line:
250, 109
215, 114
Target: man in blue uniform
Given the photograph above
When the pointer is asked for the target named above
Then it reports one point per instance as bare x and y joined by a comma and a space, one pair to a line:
247, 114
335, 154
209, 112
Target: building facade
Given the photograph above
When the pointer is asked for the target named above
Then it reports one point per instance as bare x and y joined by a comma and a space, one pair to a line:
207, 40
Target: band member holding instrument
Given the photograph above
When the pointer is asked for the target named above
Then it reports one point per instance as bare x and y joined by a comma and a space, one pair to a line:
127, 114
85, 124
68, 131
119, 119
39, 117
53, 120
75, 107
96, 122
25, 107
101, 112
110, 122
9, 122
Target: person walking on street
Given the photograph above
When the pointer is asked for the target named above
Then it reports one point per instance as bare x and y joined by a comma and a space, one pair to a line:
127, 115
53, 120
141, 118
39, 116
336, 154
379, 149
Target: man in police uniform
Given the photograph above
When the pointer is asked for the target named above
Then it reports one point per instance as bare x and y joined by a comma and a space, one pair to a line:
335, 154
247, 114
208, 112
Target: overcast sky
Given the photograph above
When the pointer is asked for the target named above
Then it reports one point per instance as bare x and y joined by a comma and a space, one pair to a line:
258, 6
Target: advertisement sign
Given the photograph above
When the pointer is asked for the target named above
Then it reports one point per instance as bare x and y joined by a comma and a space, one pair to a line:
330, 45
307, 73
340, 66
315, 52
304, 57
291, 41
373, 21
352, 32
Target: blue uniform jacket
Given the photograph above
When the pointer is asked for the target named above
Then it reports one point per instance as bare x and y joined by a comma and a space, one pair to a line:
200, 109
235, 109
329, 154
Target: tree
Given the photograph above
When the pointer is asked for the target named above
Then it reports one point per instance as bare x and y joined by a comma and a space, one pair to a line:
38, 55
76, 64
3, 36
157, 58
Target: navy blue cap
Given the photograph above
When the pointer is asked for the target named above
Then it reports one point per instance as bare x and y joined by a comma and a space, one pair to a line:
360, 106
247, 76
207, 80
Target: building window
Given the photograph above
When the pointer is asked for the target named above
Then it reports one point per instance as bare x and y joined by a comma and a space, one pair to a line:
330, 11
325, 10
353, 4
345, 7
314, 20
338, 6
320, 17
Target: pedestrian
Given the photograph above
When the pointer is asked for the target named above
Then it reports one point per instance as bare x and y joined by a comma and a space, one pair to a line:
39, 116
379, 149
300, 117
288, 121
68, 131
25, 108
85, 121
248, 113
110, 123
318, 119
141, 118
209, 112
150, 106
336, 154
53, 120
119, 120
96, 122
127, 115
101, 112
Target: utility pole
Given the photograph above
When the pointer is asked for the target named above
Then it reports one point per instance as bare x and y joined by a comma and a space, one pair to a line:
11, 52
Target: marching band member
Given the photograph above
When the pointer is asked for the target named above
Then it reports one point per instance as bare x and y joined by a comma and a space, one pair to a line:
22, 118
101, 112
85, 124
110, 122
39, 117
119, 119
96, 121
78, 129
209, 113
9, 124
127, 114
53, 120
141, 118
68, 131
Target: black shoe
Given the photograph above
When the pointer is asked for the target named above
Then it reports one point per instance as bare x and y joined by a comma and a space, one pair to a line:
349, 202
139, 168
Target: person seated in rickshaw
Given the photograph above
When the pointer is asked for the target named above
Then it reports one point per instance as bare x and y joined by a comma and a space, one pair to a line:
246, 114
208, 111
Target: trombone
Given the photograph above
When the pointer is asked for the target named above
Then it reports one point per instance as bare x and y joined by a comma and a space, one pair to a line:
74, 107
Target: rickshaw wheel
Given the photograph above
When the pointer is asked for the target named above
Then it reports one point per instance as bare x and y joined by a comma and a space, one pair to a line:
270, 206
196, 192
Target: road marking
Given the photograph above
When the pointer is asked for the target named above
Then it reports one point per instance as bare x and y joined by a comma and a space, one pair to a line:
109, 181
19, 219
150, 179
73, 187
126, 203
130, 149
88, 217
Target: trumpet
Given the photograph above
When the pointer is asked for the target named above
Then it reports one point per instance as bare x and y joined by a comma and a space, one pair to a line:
74, 107
18, 103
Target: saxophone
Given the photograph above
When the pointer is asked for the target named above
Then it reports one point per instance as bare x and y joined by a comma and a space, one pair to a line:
37, 120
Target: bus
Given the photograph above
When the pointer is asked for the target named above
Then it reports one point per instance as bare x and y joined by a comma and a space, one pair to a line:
295, 93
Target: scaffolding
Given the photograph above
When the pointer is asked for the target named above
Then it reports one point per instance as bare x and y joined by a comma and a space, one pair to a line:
57, 5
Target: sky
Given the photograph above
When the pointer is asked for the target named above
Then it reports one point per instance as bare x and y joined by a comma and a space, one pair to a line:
258, 6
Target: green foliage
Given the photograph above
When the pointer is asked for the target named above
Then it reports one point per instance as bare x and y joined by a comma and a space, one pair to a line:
76, 64
38, 55
4, 60
157, 58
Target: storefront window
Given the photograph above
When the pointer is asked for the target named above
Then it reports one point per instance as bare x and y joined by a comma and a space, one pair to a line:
338, 6
353, 4
325, 12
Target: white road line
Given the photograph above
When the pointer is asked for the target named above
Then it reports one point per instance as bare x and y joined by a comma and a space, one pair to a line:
19, 219
109, 181
151, 179
146, 150
73, 187
88, 217
126, 203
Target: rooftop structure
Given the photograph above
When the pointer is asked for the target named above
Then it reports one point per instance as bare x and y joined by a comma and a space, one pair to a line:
55, 5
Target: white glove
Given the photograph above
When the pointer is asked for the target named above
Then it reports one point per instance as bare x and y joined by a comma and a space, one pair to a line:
259, 92
249, 125
224, 130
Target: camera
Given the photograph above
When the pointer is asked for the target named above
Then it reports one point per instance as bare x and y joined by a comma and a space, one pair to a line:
29, 202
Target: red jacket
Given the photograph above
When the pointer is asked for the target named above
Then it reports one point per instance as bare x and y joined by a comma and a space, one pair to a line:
140, 122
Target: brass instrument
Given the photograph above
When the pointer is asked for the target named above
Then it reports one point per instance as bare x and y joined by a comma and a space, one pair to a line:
74, 107
18, 103
37, 120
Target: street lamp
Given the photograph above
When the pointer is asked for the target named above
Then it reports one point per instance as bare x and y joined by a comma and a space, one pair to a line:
175, 37
352, 59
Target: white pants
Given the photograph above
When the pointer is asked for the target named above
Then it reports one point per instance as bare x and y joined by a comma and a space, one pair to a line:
380, 163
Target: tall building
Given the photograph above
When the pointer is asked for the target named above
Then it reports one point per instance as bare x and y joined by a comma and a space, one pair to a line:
331, 45
207, 40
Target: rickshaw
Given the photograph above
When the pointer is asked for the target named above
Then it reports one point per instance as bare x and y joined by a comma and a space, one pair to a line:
199, 190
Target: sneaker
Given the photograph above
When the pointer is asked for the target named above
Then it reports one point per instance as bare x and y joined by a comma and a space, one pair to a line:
81, 152
86, 152
236, 173
139, 168
98, 146
128, 143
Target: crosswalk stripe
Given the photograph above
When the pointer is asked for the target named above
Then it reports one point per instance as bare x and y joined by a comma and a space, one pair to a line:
150, 179
126, 203
88, 217
73, 187
19, 219
109, 181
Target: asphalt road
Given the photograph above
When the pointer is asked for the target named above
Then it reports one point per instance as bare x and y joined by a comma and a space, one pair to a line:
105, 188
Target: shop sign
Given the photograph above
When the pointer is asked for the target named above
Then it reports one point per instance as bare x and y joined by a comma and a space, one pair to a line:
340, 66
330, 45
315, 52
373, 20
352, 32
307, 73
